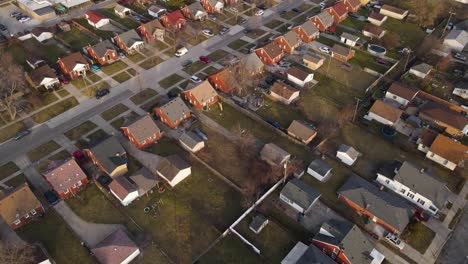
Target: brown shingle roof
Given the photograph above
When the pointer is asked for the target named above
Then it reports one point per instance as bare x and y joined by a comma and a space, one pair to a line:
203, 92
403, 91
298, 73
393, 9
386, 111
341, 50
439, 113
153, 25
301, 130
272, 49
274, 154
292, 38
449, 149
38, 74
142, 128
65, 175
373, 29
283, 90
325, 18
170, 166
72, 59
354, 3
17, 202
314, 58
309, 28
115, 248
427, 137
376, 16
122, 187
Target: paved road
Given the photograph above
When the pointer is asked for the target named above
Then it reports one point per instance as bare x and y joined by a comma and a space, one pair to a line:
456, 249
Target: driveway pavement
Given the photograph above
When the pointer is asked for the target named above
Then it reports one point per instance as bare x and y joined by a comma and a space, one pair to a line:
456, 249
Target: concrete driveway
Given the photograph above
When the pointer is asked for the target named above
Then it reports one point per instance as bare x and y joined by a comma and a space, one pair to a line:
456, 249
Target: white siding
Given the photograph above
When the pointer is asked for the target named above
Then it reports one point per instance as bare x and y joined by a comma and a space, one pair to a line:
294, 96
292, 204
418, 73
131, 257
396, 98
318, 176
442, 161
453, 45
128, 199
380, 119
345, 158
392, 14
463, 93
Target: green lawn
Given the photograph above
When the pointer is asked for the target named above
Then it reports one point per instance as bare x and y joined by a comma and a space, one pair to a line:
279, 112
81, 82
97, 136
43, 150
50, 51
122, 77
93, 77
151, 104
55, 110
7, 169
16, 181
410, 34
418, 236
151, 62
114, 111
218, 55
366, 60
44, 165
274, 24
132, 72
10, 131
237, 44
231, 250
91, 91
63, 93
210, 70
354, 23
142, 96
137, 57
284, 28
80, 130
126, 21
289, 15
104, 34
114, 68
170, 81
77, 39
117, 123
194, 67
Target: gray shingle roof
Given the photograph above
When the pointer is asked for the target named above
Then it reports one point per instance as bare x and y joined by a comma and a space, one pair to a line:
346, 35
313, 58
144, 180
274, 154
195, 7
300, 193
326, 18
320, 166
170, 166
109, 154
142, 128
175, 109
130, 37
303, 254
348, 150
423, 68
257, 222
292, 38
252, 62
460, 36
120, 8
190, 139
309, 28
388, 207
102, 47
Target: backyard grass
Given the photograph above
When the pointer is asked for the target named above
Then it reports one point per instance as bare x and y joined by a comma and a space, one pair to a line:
55, 110
114, 111
77, 39
114, 67
151, 104
97, 136
237, 44
122, 77
42, 150
137, 57
366, 60
230, 250
218, 55
194, 67
255, 33
279, 112
104, 34
91, 91
126, 21
10, 131
418, 236
142, 96
353, 23
7, 169
59, 241
410, 34
50, 50
151, 62
184, 85
300, 19
170, 81
80, 130
16, 181
81, 82
274, 24
289, 15
210, 70
284, 28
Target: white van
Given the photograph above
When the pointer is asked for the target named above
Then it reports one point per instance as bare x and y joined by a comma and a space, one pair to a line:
180, 52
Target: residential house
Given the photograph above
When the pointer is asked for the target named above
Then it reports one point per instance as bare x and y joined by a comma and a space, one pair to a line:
461, 89
415, 184
381, 208
220, 80
342, 53
352, 6
173, 169
347, 154
173, 112
191, 141
401, 93
195, 11
313, 61
109, 156
289, 41
96, 20
421, 70
349, 39
144, 180
19, 206
307, 31
454, 123
346, 243
456, 40
373, 31
322, 20
301, 254
252, 64
274, 155
142, 131
338, 12
42, 34
299, 76
129, 41
319, 169
270, 54
64, 26
299, 195
156, 11
376, 18
43, 76
122, 11
258, 223
425, 139
364, 2
213, 6
447, 152
66, 179
284, 93
123, 190
152, 31
383, 113
116, 248
33, 61
73, 65
173, 21
202, 96
394, 12
103, 52
302, 132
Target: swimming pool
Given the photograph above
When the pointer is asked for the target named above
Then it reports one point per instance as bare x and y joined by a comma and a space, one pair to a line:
376, 49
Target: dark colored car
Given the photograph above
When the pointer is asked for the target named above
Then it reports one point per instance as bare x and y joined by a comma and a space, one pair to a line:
205, 59
273, 123
104, 179
51, 197
80, 157
63, 79
262, 7
271, 79
382, 61
242, 21
296, 10
224, 30
200, 133
346, 66
173, 93
2, 27
22, 134
353, 15
102, 92
186, 63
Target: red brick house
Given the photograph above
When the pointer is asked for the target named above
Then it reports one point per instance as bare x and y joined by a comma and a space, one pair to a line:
104, 52
19, 206
307, 31
142, 132
289, 41
376, 206
352, 6
252, 64
270, 54
338, 12
173, 112
173, 21
218, 80
73, 65
213, 6
202, 96
66, 178
342, 53
322, 21
152, 31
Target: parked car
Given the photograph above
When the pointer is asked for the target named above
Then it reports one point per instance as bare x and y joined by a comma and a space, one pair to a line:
296, 10
95, 68
207, 32
212, 17
195, 79
205, 59
273, 123
51, 197
173, 93
459, 56
271, 79
200, 133
21, 134
395, 241
224, 30
346, 66
24, 19
450, 26
122, 55
325, 49
262, 6
353, 15
186, 63
180, 52
242, 21
2, 27
80, 157
63, 79
290, 27
259, 13
15, 14
322, 5
382, 61
104, 180
284, 63
102, 92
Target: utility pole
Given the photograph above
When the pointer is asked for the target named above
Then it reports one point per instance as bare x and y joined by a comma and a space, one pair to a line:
407, 58
448, 21
285, 172
356, 108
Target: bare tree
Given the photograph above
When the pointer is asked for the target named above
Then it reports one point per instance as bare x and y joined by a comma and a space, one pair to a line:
16, 254
239, 79
426, 11
391, 40
247, 144
328, 129
11, 84
444, 63
344, 115
429, 43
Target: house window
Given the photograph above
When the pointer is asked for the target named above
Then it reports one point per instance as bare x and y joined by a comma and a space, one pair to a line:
17, 222
403, 191
410, 195
66, 191
445, 162
335, 251
79, 183
33, 212
26, 216
394, 97
421, 201
432, 208
387, 181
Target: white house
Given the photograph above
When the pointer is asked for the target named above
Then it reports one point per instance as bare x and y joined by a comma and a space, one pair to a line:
191, 141
400, 93
421, 70
284, 93
347, 154
299, 77
394, 12
42, 34
123, 190
43, 76
461, 89
456, 40
122, 11
156, 11
299, 195
447, 152
349, 39
416, 185
383, 113
173, 169
319, 169
376, 18
96, 20
258, 223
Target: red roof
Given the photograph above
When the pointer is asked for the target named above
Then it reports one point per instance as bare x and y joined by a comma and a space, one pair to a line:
93, 16
340, 9
174, 17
